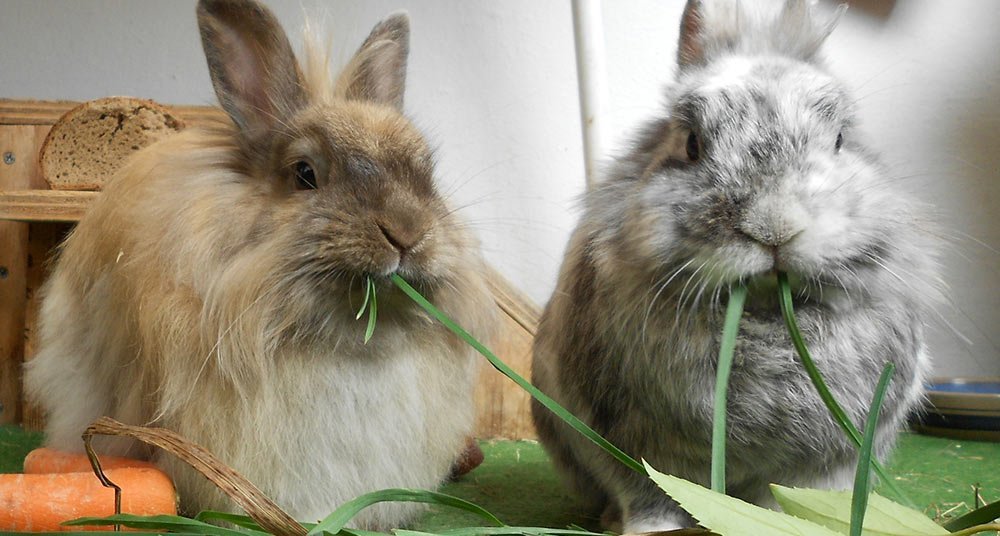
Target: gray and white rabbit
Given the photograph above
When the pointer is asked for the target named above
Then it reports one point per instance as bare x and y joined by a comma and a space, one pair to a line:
755, 166
212, 289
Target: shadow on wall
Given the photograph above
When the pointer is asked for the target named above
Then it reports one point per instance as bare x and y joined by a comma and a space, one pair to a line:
977, 129
880, 9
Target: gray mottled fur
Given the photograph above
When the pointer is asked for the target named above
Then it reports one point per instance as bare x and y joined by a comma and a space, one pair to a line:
629, 340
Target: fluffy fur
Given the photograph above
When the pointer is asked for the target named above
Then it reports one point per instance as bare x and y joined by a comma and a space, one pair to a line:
753, 167
212, 292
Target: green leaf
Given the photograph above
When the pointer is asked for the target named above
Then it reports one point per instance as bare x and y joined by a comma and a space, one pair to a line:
734, 310
859, 498
160, 522
833, 509
245, 522
730, 516
979, 516
336, 521
359, 532
541, 397
836, 411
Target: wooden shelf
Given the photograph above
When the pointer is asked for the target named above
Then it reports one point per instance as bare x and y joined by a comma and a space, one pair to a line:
44, 205
22, 112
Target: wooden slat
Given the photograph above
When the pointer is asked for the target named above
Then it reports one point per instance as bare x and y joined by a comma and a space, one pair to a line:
22, 142
44, 205
514, 303
29, 112
26, 112
502, 407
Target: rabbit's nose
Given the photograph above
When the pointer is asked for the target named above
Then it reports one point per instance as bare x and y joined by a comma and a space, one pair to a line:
773, 222
771, 236
401, 238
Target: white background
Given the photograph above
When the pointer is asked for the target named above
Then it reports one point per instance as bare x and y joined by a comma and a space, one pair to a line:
493, 84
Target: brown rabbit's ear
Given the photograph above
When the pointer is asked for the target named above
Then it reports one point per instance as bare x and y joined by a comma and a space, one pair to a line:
377, 73
253, 68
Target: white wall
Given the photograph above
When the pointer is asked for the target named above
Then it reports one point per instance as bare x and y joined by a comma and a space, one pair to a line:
494, 85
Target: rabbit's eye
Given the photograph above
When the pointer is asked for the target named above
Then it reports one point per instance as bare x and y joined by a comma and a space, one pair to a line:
693, 147
305, 177
839, 143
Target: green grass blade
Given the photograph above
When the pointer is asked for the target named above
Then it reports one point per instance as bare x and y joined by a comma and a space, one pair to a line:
979, 529
979, 516
343, 515
541, 397
859, 499
160, 522
364, 303
838, 413
734, 311
243, 521
372, 311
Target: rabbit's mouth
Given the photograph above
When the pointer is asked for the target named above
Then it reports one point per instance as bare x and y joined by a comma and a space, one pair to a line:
763, 293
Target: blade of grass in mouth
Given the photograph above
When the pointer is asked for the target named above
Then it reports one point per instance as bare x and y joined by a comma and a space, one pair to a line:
734, 310
371, 303
541, 397
838, 413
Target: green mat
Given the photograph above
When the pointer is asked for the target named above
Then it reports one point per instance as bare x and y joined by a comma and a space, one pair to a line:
518, 484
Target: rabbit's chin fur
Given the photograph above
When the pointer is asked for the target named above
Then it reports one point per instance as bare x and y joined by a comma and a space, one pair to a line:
754, 168
213, 287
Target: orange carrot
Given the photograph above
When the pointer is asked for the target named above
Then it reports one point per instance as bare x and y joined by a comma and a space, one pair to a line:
40, 502
46, 460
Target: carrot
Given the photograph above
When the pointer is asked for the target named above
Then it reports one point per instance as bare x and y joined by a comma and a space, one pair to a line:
46, 460
40, 502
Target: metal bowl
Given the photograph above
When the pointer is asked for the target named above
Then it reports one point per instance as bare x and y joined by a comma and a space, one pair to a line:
963, 408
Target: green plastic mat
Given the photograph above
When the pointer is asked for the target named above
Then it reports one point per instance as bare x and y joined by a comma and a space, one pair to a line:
519, 485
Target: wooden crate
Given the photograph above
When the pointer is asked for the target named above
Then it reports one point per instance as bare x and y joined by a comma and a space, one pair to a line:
34, 219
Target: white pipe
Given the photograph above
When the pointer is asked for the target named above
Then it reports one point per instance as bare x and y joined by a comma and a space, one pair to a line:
591, 72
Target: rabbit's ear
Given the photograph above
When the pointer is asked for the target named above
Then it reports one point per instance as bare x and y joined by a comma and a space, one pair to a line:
710, 28
377, 73
253, 68
691, 46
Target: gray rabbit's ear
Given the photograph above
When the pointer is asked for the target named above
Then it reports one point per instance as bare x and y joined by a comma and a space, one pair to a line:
691, 46
253, 68
710, 28
800, 30
377, 73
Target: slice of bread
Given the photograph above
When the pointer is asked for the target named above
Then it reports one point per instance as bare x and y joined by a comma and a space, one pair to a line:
90, 142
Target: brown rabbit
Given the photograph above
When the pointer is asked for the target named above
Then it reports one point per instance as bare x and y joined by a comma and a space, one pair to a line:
213, 288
